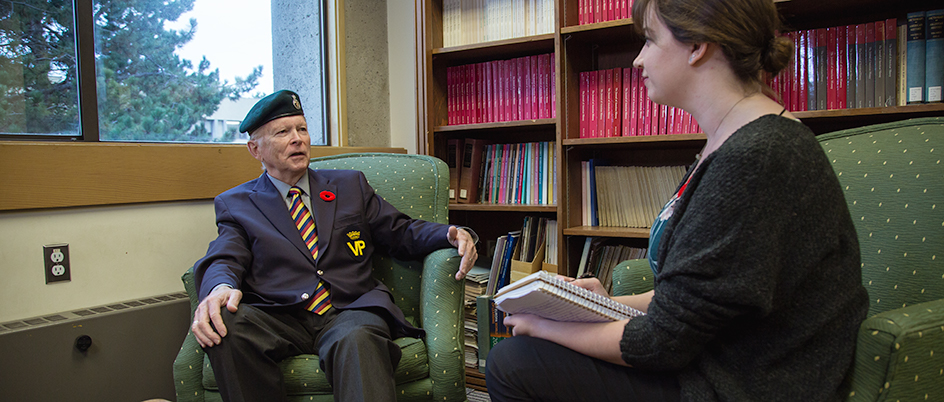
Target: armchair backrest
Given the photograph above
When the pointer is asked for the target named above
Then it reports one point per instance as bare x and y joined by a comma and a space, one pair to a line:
418, 186
893, 182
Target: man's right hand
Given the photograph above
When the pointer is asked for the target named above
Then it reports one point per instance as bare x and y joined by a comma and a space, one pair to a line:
209, 310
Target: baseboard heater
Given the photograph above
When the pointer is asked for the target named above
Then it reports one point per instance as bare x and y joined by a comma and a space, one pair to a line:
116, 352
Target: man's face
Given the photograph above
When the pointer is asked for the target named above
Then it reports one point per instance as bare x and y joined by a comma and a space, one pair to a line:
283, 147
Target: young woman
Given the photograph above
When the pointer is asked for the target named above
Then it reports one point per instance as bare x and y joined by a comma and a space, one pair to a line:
758, 293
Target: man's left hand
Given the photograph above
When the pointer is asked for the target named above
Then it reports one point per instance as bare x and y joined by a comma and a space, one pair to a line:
465, 243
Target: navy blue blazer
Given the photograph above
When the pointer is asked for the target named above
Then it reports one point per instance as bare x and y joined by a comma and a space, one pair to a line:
259, 250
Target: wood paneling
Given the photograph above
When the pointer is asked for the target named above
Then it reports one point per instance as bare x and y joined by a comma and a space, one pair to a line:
53, 175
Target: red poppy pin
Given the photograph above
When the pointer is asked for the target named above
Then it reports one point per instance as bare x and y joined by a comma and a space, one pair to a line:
327, 196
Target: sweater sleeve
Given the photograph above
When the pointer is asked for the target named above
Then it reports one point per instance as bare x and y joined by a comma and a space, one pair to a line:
724, 253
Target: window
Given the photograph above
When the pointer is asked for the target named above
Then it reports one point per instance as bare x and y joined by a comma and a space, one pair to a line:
164, 70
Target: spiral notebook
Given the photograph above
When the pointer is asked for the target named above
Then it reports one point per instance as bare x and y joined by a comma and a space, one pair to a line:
543, 294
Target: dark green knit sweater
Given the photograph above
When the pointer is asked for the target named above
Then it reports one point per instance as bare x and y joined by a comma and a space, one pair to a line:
759, 294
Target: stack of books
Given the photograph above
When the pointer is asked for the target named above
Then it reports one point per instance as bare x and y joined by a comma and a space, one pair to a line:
467, 22
875, 64
614, 103
475, 283
521, 88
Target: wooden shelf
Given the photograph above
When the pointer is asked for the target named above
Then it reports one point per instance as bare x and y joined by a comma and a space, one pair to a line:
538, 124
475, 379
495, 50
648, 139
605, 231
503, 207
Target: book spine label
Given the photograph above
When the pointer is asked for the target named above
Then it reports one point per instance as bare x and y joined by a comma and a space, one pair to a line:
934, 55
916, 57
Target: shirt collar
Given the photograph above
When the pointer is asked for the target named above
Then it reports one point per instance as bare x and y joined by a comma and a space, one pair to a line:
284, 187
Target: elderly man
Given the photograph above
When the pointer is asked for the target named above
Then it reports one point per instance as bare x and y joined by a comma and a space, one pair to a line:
280, 280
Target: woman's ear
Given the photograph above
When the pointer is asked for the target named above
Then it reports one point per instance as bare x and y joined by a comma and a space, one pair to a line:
698, 52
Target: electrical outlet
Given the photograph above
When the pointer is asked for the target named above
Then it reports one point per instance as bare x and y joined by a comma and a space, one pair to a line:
56, 263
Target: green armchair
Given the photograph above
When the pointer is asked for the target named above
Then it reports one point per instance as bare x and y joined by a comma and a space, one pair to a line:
431, 368
894, 184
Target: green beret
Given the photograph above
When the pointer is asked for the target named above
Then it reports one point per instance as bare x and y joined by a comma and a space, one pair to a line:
280, 104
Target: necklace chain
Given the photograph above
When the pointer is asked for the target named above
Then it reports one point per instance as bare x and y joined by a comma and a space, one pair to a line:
729, 111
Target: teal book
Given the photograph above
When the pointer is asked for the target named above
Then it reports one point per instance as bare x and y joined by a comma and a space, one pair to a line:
934, 56
916, 57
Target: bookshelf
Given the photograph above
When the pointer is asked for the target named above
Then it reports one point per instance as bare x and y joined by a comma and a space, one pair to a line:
577, 48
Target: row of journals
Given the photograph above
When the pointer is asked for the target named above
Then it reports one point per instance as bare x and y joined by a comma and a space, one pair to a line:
614, 103
925, 43
592, 11
599, 258
626, 196
474, 21
876, 64
521, 88
520, 174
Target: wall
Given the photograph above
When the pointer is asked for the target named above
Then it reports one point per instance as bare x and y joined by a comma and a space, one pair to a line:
402, 47
116, 253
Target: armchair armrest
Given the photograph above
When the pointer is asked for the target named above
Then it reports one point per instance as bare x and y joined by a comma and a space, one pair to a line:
632, 277
441, 311
188, 366
899, 354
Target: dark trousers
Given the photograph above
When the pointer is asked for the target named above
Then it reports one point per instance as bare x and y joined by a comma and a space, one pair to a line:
523, 368
354, 348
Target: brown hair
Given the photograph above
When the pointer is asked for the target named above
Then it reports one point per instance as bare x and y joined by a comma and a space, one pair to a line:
745, 30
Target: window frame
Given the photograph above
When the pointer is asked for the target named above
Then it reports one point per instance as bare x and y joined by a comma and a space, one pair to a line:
96, 173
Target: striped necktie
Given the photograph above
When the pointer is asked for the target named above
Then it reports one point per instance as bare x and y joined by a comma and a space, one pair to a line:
321, 302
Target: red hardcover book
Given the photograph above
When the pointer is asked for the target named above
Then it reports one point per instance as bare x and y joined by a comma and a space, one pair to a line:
646, 112
552, 94
584, 96
610, 10
841, 57
581, 12
450, 95
479, 92
851, 63
879, 64
832, 97
679, 120
594, 103
602, 84
546, 81
598, 11
617, 102
639, 96
610, 98
626, 115
535, 87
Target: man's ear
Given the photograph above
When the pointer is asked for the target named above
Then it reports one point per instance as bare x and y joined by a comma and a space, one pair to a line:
699, 50
253, 149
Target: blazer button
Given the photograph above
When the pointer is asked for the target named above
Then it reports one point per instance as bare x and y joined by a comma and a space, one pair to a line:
320, 272
304, 296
